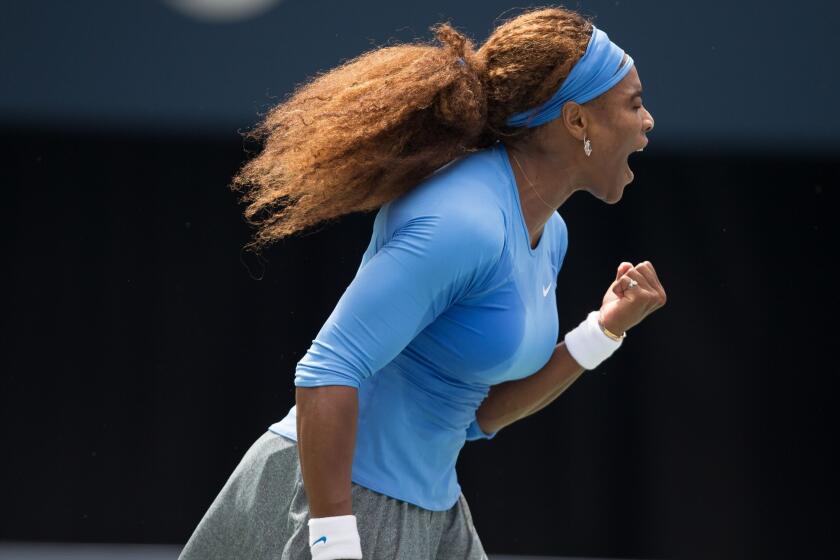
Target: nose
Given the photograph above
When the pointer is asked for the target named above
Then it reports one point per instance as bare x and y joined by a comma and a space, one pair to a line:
648, 121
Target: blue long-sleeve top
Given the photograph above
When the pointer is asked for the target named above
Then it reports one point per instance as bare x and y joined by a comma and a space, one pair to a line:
449, 299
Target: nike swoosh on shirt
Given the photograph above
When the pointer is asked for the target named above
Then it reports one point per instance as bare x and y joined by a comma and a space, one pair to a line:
545, 290
319, 540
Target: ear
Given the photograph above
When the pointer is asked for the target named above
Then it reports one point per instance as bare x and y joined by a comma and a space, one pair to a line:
575, 118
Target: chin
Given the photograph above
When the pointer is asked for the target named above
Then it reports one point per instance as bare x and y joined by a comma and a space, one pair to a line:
616, 194
612, 196
629, 176
625, 180
615, 197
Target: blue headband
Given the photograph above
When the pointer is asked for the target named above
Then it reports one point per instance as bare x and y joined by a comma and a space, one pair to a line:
598, 70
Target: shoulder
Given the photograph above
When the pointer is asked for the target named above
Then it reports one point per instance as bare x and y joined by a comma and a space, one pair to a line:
469, 233
455, 208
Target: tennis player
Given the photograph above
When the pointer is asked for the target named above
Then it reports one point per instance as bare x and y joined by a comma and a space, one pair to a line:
449, 330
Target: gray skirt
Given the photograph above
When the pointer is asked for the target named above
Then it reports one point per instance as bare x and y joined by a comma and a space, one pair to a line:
262, 512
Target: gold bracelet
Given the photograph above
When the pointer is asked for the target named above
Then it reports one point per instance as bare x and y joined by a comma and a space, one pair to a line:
607, 332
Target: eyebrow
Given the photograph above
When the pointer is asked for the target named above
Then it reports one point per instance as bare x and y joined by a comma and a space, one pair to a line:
636, 93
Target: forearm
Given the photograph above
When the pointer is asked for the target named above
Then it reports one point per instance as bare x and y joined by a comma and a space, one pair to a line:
326, 429
508, 402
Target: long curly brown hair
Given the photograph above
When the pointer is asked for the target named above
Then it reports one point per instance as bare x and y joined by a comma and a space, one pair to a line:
369, 130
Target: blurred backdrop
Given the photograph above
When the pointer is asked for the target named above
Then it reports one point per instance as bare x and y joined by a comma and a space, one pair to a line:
143, 351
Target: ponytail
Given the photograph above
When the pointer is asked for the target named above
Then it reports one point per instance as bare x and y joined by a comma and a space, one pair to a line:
362, 134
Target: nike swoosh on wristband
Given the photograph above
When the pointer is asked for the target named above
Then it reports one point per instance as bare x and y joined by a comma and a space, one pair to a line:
324, 538
545, 290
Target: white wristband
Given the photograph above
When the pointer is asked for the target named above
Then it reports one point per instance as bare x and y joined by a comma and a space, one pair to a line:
334, 538
588, 344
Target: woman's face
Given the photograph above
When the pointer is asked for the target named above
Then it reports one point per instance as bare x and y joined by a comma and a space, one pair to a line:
618, 126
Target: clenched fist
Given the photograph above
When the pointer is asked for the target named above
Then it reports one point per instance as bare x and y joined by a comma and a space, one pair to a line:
623, 306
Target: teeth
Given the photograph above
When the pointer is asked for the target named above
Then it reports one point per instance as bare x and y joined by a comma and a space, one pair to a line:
640, 150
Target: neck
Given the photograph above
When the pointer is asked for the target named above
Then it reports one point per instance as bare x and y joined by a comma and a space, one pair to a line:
551, 173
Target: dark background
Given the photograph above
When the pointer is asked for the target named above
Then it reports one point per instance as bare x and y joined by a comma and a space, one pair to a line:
142, 351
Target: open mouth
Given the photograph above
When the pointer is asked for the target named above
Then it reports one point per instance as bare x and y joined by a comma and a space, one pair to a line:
627, 160
637, 150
